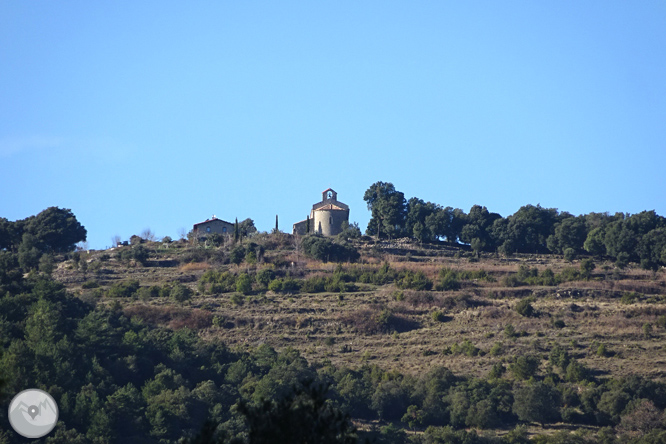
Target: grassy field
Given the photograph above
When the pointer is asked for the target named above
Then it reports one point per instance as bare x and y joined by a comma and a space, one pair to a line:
467, 330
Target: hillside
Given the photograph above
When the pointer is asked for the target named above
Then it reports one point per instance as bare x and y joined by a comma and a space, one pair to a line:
611, 321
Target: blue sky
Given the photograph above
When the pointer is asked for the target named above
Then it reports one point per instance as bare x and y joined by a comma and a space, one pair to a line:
158, 115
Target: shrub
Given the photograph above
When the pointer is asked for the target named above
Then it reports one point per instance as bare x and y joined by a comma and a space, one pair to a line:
497, 371
146, 293
569, 254
497, 349
414, 280
602, 351
215, 282
264, 277
629, 298
525, 367
559, 323
326, 250
237, 254
537, 402
576, 372
438, 316
448, 280
559, 357
647, 330
524, 307
275, 285
286, 285
465, 348
314, 284
511, 280
510, 331
90, 284
586, 267
125, 289
243, 283
137, 253
180, 293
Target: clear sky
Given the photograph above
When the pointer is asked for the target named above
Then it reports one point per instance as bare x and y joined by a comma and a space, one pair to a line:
159, 114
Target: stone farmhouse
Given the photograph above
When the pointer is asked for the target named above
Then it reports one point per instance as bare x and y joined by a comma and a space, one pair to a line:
213, 225
326, 217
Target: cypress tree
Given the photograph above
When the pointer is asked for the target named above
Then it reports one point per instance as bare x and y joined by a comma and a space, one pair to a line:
236, 231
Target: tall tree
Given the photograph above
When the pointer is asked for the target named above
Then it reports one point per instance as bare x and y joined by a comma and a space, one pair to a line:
388, 208
56, 230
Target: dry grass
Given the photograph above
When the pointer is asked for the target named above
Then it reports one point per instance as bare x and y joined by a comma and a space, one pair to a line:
349, 331
195, 266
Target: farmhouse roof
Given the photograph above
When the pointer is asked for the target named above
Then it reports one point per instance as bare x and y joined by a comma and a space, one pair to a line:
213, 219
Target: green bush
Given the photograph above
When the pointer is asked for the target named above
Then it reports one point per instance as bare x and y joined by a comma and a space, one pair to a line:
438, 316
275, 285
215, 282
448, 280
137, 253
243, 283
90, 284
524, 307
146, 293
629, 298
497, 349
569, 254
326, 250
125, 289
180, 293
414, 280
524, 367
264, 277
237, 254
286, 285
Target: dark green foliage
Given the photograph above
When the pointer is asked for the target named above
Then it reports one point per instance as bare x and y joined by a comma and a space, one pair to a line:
538, 402
137, 253
524, 307
243, 283
55, 230
325, 250
285, 285
264, 277
125, 289
464, 348
28, 253
215, 282
447, 435
569, 234
448, 280
237, 254
180, 293
349, 231
525, 366
413, 280
90, 284
586, 268
302, 416
576, 372
388, 208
